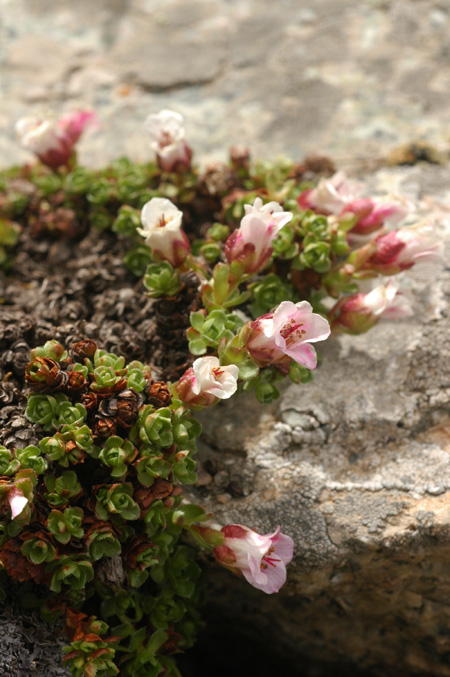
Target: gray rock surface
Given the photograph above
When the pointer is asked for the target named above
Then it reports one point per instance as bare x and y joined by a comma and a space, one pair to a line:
351, 79
355, 466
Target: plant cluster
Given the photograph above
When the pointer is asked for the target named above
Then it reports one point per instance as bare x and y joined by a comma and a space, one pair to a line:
102, 485
264, 263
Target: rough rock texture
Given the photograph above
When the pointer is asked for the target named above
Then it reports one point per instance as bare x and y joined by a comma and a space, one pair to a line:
355, 467
29, 646
351, 79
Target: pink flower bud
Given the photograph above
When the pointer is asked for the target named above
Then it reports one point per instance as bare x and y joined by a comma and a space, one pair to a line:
206, 382
286, 334
371, 215
167, 140
73, 124
358, 313
161, 222
400, 249
53, 140
251, 244
17, 501
330, 196
261, 559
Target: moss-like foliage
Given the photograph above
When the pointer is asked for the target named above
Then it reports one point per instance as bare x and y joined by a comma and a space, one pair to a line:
101, 490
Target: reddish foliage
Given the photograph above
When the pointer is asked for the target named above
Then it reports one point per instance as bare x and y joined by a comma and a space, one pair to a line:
17, 565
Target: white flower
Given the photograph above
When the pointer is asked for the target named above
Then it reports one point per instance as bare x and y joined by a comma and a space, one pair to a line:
207, 381
161, 221
330, 195
166, 131
158, 214
166, 128
210, 377
270, 213
38, 134
387, 301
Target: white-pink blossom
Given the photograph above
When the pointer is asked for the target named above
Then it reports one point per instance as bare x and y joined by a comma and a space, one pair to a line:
387, 301
400, 249
330, 196
166, 130
17, 501
260, 558
286, 334
207, 381
52, 139
359, 312
161, 221
252, 243
73, 124
270, 213
371, 215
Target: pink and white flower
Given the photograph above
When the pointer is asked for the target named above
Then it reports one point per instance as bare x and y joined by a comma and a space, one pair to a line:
371, 215
207, 381
73, 124
51, 139
166, 130
401, 249
358, 313
270, 213
287, 334
260, 558
252, 243
161, 221
341, 196
17, 501
330, 196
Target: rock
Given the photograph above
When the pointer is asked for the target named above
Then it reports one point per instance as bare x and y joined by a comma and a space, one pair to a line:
355, 466
355, 81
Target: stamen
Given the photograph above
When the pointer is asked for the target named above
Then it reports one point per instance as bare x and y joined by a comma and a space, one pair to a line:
266, 560
292, 332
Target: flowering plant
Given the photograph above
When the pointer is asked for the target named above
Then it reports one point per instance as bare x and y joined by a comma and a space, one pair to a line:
243, 270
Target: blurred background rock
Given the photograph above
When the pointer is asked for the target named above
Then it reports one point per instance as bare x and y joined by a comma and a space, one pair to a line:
353, 79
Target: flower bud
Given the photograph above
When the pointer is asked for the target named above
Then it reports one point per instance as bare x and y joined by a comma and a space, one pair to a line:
358, 313
399, 250
167, 140
370, 215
